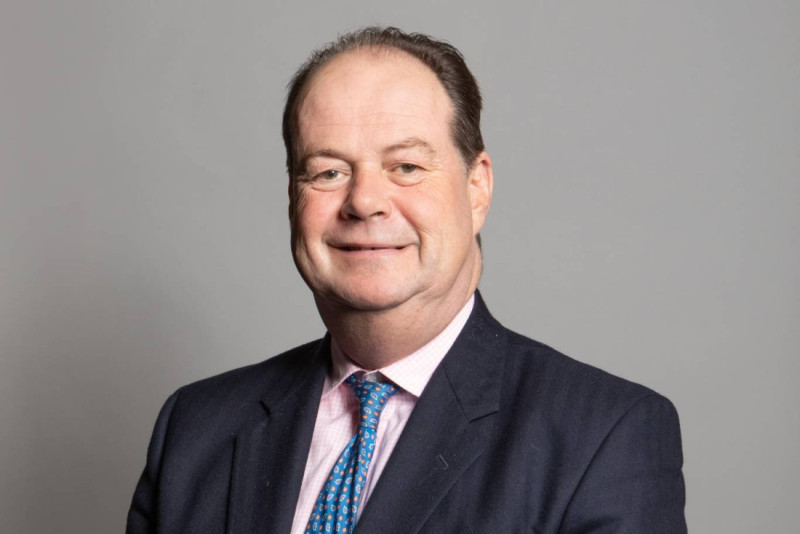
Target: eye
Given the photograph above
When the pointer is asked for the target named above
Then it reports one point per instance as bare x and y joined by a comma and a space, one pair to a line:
330, 174
407, 168
328, 179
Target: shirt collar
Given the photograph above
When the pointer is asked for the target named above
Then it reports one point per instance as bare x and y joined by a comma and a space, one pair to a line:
412, 372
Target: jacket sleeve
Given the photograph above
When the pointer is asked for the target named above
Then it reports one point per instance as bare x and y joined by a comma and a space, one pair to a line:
142, 516
634, 483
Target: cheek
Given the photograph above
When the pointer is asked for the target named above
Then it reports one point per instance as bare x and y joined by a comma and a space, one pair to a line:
313, 211
442, 215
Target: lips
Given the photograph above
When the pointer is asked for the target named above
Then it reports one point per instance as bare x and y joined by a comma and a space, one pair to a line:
357, 248
368, 245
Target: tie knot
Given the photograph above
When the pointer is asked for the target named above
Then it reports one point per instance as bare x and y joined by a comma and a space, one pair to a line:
372, 397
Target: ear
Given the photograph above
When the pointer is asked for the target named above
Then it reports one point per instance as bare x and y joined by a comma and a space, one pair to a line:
481, 181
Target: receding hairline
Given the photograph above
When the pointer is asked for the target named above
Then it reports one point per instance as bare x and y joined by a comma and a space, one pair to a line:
379, 51
440, 57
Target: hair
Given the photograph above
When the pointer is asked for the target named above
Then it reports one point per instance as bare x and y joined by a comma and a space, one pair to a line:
442, 58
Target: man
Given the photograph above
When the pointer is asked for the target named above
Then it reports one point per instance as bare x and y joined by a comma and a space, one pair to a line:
466, 426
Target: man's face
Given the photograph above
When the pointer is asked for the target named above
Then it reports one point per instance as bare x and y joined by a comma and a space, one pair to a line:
383, 210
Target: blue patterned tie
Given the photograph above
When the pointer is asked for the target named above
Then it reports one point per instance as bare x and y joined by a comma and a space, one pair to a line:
338, 501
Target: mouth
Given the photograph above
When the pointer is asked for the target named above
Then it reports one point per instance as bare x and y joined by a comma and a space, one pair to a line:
358, 248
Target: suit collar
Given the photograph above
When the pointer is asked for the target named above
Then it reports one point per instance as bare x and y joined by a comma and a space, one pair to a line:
412, 372
447, 431
291, 383
474, 364
270, 454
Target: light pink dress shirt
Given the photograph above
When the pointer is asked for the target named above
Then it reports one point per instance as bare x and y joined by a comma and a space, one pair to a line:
337, 418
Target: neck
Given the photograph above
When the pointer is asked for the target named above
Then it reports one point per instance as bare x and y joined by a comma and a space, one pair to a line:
376, 339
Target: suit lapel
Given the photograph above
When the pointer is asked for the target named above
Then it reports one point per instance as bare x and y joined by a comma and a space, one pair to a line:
447, 431
270, 455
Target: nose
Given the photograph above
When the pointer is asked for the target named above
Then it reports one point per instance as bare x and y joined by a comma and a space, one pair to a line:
367, 196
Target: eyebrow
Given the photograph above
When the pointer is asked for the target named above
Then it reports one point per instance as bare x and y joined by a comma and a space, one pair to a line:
412, 142
321, 153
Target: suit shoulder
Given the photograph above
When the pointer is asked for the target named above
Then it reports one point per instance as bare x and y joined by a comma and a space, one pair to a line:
542, 370
247, 383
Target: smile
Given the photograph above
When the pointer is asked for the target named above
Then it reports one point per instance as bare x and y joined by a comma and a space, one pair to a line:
358, 249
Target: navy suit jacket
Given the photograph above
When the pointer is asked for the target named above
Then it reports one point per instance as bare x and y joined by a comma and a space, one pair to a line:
508, 436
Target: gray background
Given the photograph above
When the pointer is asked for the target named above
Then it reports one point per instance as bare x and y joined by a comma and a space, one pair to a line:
646, 220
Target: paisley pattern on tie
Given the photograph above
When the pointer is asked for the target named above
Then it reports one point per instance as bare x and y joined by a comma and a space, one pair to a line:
337, 505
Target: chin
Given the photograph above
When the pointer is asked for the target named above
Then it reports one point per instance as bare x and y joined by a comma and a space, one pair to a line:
368, 298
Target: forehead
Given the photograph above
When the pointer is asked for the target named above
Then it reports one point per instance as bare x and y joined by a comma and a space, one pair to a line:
385, 93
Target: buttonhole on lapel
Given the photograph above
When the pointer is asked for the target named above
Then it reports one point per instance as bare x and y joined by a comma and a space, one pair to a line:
442, 462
